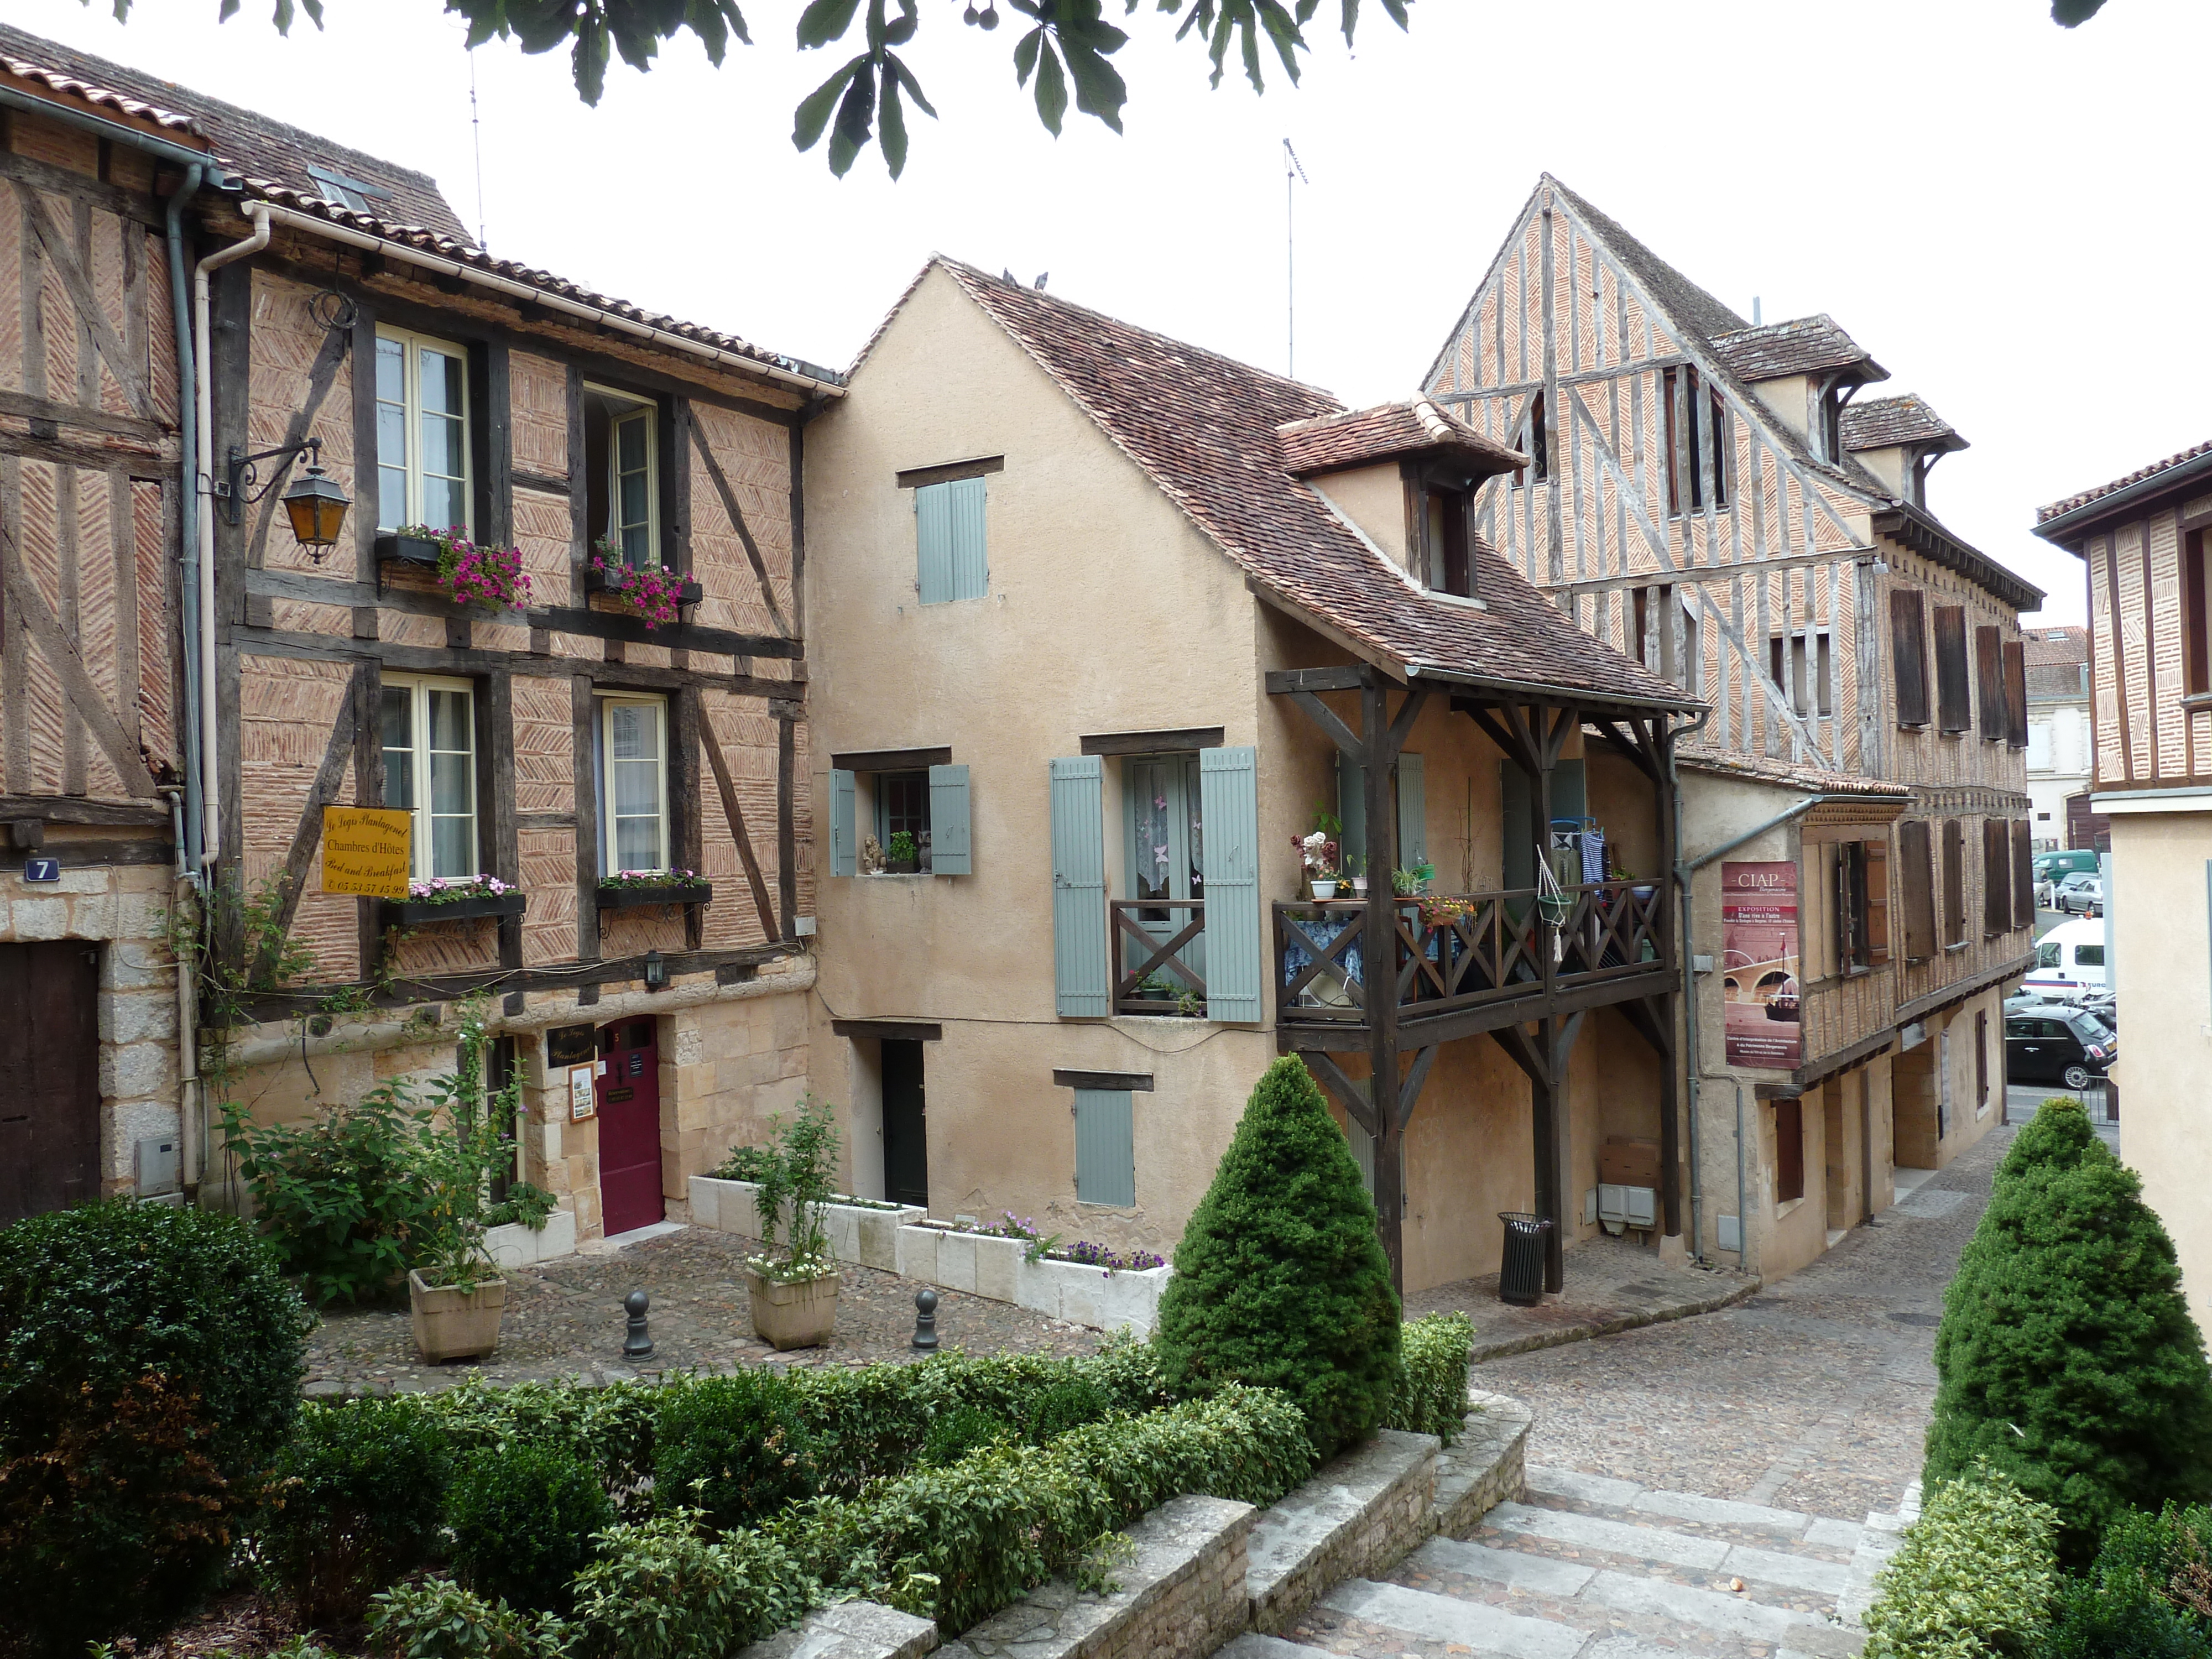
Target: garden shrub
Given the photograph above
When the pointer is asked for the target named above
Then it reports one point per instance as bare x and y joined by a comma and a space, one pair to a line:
1280, 1281
1975, 1577
734, 1447
1432, 1392
523, 1520
149, 1368
968, 1429
439, 1619
663, 1590
2059, 1135
2067, 1356
1066, 1405
610, 1428
354, 1504
2148, 1596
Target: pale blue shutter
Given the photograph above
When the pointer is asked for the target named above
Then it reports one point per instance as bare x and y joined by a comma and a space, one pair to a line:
844, 849
1105, 1147
933, 538
1229, 810
971, 569
1352, 812
1079, 972
1412, 813
1363, 1151
949, 853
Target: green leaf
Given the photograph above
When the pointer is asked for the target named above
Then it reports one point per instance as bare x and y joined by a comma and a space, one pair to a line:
893, 135
1025, 55
813, 114
588, 63
1051, 89
856, 111
825, 21
913, 87
1099, 88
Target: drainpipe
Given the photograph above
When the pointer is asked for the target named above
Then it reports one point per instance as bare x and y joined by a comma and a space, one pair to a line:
211, 815
1683, 871
1689, 985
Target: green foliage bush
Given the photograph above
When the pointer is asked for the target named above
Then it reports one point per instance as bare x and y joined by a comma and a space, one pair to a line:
150, 1369
663, 1590
1431, 1393
1975, 1577
1066, 1405
609, 1428
969, 1429
523, 1519
734, 1447
1280, 1281
2067, 1356
354, 1504
2148, 1596
439, 1619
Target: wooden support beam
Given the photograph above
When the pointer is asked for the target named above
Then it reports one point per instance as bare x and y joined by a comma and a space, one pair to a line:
716, 762
1409, 1092
1402, 727
292, 874
1332, 725
786, 809
1349, 677
1380, 936
1352, 1095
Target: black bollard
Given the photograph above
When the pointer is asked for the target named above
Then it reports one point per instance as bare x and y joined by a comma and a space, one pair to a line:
925, 1320
638, 1345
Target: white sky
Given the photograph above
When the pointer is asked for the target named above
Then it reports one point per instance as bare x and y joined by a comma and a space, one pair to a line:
2010, 216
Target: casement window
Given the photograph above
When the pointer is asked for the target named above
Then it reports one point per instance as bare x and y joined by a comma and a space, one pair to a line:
1955, 882
1997, 877
1105, 1147
1829, 426
1908, 650
875, 796
1665, 635
953, 562
2195, 617
336, 186
1789, 1151
621, 466
2015, 684
2039, 748
902, 806
633, 783
421, 432
1806, 691
1850, 934
1916, 876
1990, 670
1444, 541
1410, 818
1165, 848
430, 770
1954, 698
1536, 441
1698, 443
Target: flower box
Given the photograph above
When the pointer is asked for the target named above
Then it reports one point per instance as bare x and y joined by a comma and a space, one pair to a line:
392, 549
455, 1324
862, 1231
517, 1245
672, 892
599, 582
799, 1313
413, 913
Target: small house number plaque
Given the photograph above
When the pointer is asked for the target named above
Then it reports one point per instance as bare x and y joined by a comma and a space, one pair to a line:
42, 869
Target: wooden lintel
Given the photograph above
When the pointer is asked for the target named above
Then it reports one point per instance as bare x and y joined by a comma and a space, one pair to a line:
1155, 742
896, 1031
891, 760
1132, 1082
73, 809
1348, 677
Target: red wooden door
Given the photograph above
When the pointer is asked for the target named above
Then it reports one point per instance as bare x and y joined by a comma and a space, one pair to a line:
48, 1076
630, 1126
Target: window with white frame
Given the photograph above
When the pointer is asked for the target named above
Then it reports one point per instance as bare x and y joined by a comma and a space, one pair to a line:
421, 432
431, 769
621, 487
633, 783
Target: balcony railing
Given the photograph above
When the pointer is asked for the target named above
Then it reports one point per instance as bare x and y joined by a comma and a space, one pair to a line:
1453, 951
1150, 974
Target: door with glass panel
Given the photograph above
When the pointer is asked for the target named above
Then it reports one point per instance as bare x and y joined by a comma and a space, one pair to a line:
430, 771
1166, 859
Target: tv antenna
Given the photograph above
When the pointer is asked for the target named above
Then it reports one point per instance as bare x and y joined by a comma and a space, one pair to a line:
1294, 174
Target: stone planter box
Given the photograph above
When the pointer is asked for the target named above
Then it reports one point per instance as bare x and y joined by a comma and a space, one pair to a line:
414, 912
860, 1234
454, 1324
516, 1246
798, 1314
675, 892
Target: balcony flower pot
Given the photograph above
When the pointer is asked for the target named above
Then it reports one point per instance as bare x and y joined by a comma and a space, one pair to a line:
601, 581
1359, 887
451, 1324
799, 1313
392, 548
415, 913
627, 896
1324, 888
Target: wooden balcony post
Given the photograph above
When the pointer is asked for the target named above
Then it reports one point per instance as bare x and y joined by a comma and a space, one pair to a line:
1380, 949
1668, 1010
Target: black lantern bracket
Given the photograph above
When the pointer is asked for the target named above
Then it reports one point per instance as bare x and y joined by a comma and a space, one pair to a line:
239, 492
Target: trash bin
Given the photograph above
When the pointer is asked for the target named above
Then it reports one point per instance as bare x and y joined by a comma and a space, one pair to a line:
1520, 1270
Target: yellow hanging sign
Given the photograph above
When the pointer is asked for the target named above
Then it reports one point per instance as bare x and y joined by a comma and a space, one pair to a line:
367, 850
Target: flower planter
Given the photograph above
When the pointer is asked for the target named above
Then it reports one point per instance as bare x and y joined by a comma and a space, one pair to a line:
1324, 889
514, 1245
598, 581
862, 1231
908, 867
413, 913
674, 892
455, 1324
407, 549
798, 1314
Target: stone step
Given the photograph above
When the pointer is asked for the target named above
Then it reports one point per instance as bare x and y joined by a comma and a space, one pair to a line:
1785, 1528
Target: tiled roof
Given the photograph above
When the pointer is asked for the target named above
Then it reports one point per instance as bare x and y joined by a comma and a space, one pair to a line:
1205, 427
105, 100
1806, 345
2082, 498
2067, 643
1329, 443
1690, 304
2058, 681
1881, 423
1812, 780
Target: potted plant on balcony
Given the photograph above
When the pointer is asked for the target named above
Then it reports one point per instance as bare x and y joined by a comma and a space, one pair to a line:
904, 858
793, 1288
626, 889
655, 596
469, 573
1413, 882
453, 898
1317, 855
1355, 867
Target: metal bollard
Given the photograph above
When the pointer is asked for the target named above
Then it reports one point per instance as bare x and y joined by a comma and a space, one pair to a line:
638, 1345
925, 1321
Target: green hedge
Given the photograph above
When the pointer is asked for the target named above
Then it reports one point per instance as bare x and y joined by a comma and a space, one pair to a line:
1976, 1577
1431, 1393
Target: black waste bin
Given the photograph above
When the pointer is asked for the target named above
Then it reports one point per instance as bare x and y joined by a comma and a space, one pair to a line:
1520, 1271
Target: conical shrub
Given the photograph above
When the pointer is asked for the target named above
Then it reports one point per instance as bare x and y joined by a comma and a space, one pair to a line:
2059, 1135
2067, 1356
1280, 1281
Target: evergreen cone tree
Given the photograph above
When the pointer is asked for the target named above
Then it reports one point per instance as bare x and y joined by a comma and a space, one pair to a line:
1280, 1281
2066, 1355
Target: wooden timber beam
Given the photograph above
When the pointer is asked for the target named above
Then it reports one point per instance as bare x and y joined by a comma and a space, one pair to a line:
1409, 1092
737, 517
720, 767
292, 875
1350, 677
1352, 1095
1331, 723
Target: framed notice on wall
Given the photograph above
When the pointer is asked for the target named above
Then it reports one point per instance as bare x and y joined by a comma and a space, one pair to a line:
1759, 941
367, 850
581, 1101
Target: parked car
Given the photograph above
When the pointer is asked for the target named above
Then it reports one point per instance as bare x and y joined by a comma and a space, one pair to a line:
2070, 962
2081, 894
2057, 1044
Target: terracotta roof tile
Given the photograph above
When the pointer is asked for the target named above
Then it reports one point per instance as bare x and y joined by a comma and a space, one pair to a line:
1812, 780
1206, 429
1881, 423
1805, 345
2082, 498
1329, 443
2069, 643
106, 100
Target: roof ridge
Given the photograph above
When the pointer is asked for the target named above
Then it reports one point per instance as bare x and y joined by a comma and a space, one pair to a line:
1631, 248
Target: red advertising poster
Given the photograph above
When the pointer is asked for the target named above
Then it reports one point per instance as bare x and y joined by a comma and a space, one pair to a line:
1759, 939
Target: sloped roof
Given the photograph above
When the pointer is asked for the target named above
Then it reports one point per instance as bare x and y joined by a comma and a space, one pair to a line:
2142, 475
1804, 346
1205, 429
1813, 780
2068, 643
1883, 422
1683, 299
105, 100
1329, 443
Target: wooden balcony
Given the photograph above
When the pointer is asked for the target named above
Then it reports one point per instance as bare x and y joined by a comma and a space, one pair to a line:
1142, 955
1466, 963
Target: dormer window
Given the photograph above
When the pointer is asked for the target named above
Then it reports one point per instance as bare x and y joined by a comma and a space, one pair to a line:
1448, 566
334, 187
1828, 431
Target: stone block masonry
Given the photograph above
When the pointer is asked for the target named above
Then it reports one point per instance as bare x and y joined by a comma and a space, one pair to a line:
1363, 1511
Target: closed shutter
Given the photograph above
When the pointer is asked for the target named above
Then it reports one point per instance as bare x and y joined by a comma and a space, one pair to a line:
2023, 874
2015, 681
844, 849
949, 848
1228, 809
1516, 794
1953, 696
1412, 813
1352, 812
932, 540
1877, 900
1908, 647
1997, 877
1080, 970
1955, 882
1105, 1147
1989, 670
971, 571
1918, 880
1789, 1150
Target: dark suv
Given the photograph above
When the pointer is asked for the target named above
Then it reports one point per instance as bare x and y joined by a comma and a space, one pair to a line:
2054, 1043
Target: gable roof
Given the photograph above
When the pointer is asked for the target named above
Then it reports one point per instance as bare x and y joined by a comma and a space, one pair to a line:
1804, 346
1330, 443
2179, 464
1884, 422
1205, 429
1813, 780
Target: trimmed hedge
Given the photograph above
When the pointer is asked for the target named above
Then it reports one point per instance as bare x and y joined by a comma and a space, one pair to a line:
1976, 1577
354, 1504
1431, 1393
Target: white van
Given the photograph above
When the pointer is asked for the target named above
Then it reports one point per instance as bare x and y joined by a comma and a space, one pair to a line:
2069, 959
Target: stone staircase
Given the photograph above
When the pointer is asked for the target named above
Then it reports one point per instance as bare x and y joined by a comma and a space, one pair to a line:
1590, 1568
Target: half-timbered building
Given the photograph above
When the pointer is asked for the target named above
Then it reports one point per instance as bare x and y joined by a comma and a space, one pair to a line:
200, 305
1715, 498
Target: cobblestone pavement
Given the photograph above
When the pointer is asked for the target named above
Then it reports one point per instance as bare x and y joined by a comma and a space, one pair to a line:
565, 1318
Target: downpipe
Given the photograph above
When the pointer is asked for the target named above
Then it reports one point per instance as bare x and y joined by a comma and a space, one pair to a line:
1689, 986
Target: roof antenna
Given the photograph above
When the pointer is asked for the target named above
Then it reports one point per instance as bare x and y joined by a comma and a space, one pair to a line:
1293, 174
475, 137
1754, 311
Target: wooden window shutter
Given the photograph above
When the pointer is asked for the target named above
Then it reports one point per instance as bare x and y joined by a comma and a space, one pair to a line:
1413, 812
1080, 970
2015, 682
1955, 882
1920, 883
1997, 877
933, 538
1352, 812
1908, 638
1789, 1150
844, 850
948, 837
2023, 874
1877, 900
2196, 657
1953, 696
1989, 670
971, 570
1229, 805
1105, 1147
